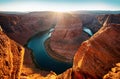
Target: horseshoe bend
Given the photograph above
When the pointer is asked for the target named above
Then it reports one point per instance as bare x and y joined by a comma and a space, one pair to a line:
52, 45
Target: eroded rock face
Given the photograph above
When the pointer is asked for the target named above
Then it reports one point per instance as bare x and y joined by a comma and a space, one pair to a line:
93, 59
97, 55
114, 73
21, 27
92, 21
69, 34
65, 38
11, 58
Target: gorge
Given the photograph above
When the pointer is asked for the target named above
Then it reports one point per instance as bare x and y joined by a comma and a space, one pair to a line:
42, 58
92, 56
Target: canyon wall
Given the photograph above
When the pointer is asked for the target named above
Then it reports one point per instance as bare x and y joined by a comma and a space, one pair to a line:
22, 27
92, 21
64, 40
69, 34
93, 59
11, 58
114, 73
98, 55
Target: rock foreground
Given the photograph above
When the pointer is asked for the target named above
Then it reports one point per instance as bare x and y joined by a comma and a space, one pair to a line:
114, 73
11, 58
97, 55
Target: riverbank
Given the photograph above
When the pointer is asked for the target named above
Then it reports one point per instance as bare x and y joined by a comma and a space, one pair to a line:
42, 58
54, 54
37, 34
30, 67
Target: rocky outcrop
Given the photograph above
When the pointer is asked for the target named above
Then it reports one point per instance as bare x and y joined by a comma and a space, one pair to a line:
114, 73
92, 21
65, 38
11, 58
30, 69
97, 55
21, 27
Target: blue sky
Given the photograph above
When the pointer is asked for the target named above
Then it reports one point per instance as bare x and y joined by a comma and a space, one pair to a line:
58, 5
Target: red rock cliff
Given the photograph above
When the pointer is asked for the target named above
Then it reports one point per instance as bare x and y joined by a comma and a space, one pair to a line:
11, 58
97, 55
22, 27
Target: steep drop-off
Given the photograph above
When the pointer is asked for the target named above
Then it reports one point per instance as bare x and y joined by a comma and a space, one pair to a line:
65, 38
98, 55
92, 21
21, 27
93, 60
114, 73
69, 33
11, 58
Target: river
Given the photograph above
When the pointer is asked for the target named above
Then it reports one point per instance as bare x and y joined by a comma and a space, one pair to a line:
41, 56
87, 30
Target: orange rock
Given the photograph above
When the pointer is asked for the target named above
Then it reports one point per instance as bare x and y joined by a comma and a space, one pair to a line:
67, 36
98, 54
21, 27
11, 58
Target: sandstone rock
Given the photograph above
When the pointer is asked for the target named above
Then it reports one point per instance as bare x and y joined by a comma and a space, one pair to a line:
98, 54
113, 74
1, 28
92, 21
29, 68
67, 36
22, 27
101, 18
118, 64
93, 59
11, 58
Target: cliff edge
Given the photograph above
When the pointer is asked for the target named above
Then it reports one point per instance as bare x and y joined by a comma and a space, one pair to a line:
11, 58
97, 55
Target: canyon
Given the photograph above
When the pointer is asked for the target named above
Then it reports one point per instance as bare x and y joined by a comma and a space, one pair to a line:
26, 25
92, 57
69, 33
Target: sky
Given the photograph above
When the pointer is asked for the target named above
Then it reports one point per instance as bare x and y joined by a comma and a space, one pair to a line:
58, 5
